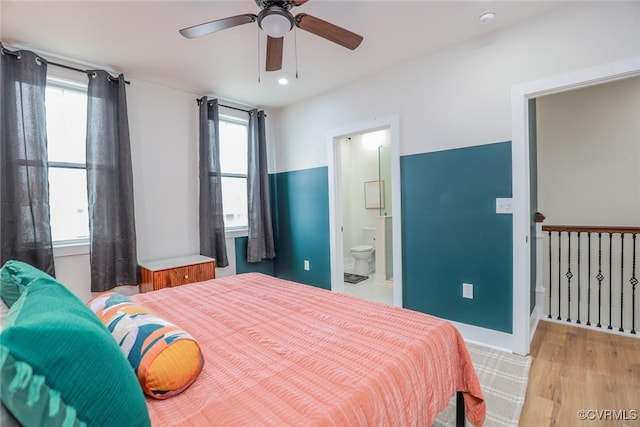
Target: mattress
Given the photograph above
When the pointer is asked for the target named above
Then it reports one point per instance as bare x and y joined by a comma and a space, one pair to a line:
281, 353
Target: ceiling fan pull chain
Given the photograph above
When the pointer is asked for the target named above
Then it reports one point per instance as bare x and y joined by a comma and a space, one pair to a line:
258, 32
295, 48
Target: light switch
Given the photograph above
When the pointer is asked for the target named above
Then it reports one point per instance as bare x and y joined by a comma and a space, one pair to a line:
504, 206
467, 290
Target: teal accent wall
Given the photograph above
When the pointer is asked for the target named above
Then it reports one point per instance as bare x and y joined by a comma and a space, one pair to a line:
300, 202
533, 198
451, 234
266, 266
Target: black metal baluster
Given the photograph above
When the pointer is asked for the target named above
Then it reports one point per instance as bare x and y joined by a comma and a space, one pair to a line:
559, 272
550, 287
621, 329
610, 276
589, 279
579, 306
569, 275
634, 282
600, 277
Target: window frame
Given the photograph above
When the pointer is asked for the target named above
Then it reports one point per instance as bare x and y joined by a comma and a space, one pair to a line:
245, 122
77, 246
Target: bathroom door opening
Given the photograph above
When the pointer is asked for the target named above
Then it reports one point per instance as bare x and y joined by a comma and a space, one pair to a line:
365, 211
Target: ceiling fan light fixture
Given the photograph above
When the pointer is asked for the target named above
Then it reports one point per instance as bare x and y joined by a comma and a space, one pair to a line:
275, 21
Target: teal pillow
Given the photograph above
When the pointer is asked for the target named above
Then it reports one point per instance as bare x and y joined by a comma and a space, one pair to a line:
60, 366
38, 404
15, 276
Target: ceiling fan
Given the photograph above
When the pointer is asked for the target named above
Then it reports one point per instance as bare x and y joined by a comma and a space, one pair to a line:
276, 21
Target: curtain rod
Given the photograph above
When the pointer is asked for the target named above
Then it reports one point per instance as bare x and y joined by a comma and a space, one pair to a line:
235, 108
199, 101
68, 67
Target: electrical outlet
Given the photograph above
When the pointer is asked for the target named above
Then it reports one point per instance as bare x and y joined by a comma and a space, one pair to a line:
306, 265
467, 290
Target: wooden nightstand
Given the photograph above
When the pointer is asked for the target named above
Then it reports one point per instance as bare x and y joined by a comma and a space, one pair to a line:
170, 272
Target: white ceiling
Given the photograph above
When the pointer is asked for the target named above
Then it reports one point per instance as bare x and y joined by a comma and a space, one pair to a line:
141, 39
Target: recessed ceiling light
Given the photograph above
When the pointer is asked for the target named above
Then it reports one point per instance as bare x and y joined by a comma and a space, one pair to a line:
283, 81
486, 17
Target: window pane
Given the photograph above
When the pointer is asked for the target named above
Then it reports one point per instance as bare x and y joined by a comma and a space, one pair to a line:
66, 124
68, 199
233, 147
234, 201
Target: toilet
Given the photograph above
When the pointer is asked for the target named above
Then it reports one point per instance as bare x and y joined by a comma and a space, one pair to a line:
364, 255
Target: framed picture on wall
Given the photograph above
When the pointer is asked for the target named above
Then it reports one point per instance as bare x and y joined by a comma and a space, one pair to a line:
374, 194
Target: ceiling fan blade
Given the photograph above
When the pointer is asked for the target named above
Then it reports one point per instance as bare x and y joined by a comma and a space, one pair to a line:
220, 24
328, 31
297, 2
274, 53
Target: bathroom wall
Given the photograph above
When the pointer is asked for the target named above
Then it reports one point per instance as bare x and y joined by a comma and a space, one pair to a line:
359, 156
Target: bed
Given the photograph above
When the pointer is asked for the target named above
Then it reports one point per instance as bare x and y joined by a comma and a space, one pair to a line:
280, 353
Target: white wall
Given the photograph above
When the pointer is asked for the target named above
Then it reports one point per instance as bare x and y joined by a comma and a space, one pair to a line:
588, 155
164, 151
460, 96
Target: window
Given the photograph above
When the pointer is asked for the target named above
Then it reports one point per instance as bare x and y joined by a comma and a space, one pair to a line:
66, 105
233, 168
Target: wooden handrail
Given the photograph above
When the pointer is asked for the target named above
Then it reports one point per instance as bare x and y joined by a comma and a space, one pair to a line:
592, 229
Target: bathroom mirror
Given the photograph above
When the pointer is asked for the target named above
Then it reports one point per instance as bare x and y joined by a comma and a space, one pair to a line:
374, 194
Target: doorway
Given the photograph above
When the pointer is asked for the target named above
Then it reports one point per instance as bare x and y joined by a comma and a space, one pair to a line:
521, 95
364, 205
367, 213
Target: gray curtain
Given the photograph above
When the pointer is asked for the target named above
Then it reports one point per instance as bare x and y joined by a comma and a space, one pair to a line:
260, 244
212, 239
25, 230
110, 185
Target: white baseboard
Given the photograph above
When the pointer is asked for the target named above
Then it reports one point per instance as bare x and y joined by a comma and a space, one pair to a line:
487, 337
533, 322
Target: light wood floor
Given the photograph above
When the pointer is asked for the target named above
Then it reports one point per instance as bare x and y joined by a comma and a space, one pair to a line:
577, 369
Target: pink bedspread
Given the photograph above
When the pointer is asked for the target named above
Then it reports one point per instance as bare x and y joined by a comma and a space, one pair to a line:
278, 353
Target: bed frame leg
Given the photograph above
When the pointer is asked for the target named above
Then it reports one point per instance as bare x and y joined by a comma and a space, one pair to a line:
460, 409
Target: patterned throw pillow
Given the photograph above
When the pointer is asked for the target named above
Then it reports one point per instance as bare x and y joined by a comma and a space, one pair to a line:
60, 366
166, 359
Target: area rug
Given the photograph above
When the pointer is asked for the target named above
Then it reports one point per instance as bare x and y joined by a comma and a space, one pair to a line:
354, 278
503, 378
